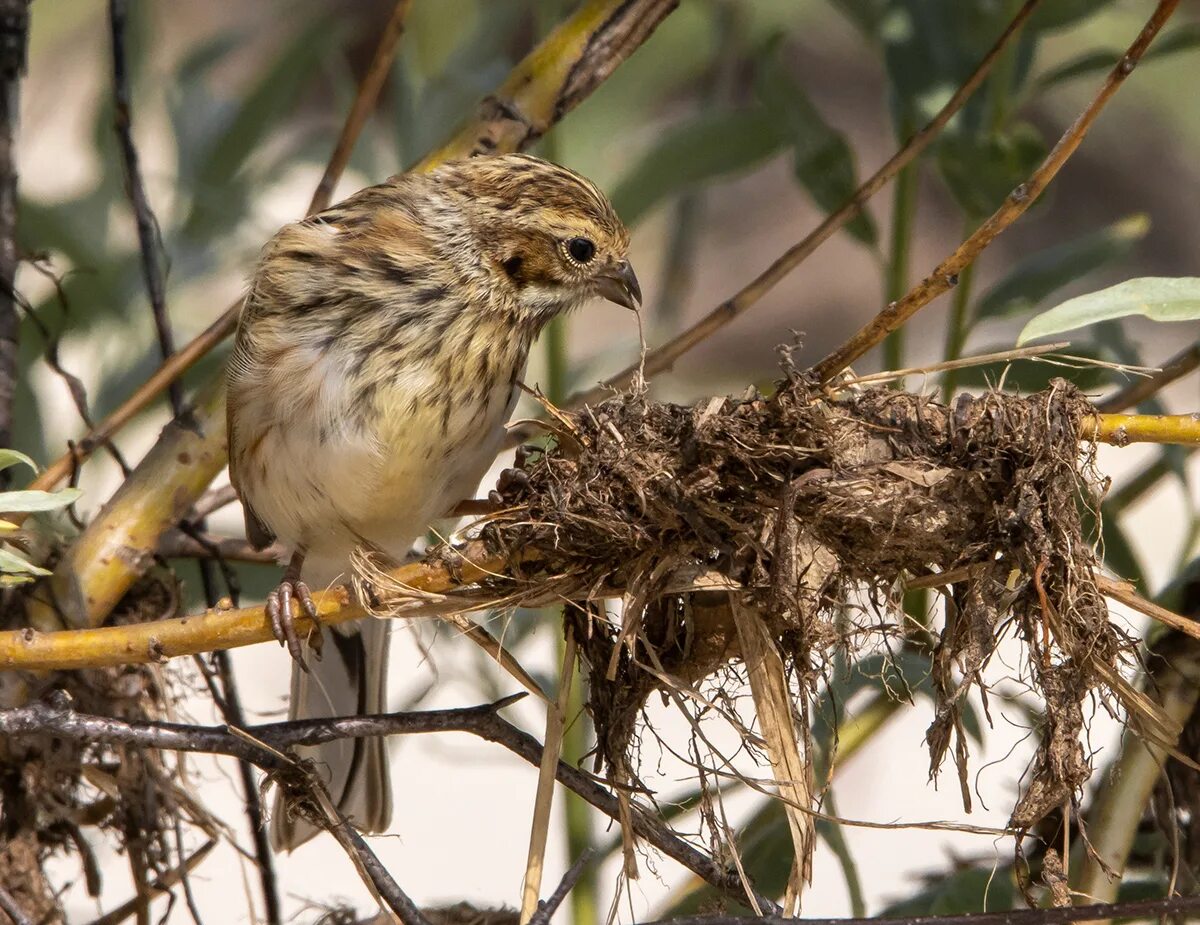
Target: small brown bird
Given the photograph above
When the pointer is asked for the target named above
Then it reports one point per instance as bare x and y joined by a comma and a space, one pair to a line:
376, 362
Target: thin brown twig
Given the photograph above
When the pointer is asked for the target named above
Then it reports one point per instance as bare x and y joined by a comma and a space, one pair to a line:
135, 189
1140, 390
360, 110
161, 885
945, 275
547, 907
178, 545
662, 358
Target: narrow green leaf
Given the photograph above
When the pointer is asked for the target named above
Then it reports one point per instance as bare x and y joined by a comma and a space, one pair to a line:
14, 564
980, 170
29, 501
1183, 38
12, 457
1159, 298
702, 149
1039, 275
823, 160
1057, 14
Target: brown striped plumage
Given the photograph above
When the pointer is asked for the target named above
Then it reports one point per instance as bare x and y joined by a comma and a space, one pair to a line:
375, 364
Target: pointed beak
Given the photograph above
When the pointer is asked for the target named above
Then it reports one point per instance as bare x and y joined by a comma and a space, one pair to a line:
619, 284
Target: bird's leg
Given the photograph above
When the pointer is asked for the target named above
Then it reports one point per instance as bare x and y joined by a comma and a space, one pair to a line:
279, 608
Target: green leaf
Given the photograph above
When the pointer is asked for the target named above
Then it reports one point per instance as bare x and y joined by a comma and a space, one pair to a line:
1159, 298
29, 501
831, 833
12, 457
865, 14
823, 161
969, 889
13, 564
218, 194
1042, 273
1056, 14
980, 170
704, 148
1183, 38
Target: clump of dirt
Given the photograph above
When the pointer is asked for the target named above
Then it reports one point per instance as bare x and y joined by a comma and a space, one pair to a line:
802, 505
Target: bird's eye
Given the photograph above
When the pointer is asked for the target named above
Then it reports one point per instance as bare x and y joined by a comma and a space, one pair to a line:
581, 249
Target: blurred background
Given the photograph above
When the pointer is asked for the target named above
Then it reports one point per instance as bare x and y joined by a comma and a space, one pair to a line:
722, 141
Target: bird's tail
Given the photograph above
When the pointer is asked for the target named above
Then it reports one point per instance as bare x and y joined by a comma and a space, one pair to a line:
350, 679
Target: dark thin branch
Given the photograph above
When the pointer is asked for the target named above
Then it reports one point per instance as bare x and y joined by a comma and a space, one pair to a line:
149, 242
389, 890
547, 907
364, 103
14, 37
945, 276
179, 545
162, 885
259, 747
1143, 909
147, 225
1140, 390
231, 711
9, 907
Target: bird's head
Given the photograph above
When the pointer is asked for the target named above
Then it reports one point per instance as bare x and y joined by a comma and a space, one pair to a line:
546, 234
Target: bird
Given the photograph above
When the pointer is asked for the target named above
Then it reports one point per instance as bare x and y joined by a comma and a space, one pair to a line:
378, 355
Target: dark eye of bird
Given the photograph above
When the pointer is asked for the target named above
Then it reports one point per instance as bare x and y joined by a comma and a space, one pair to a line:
581, 249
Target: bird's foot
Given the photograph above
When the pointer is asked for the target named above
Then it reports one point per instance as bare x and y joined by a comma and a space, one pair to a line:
281, 610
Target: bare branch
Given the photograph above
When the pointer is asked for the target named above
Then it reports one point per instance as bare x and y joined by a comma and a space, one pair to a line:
135, 189
261, 745
364, 103
945, 276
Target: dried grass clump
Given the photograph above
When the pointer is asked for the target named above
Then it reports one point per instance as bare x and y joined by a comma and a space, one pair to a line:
52, 790
801, 506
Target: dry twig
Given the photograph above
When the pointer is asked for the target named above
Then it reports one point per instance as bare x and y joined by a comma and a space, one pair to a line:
1138, 391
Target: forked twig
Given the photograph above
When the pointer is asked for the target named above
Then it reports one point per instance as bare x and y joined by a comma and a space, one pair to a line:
945, 275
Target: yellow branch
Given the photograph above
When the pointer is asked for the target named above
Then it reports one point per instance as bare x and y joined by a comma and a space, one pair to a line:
1123, 429
216, 629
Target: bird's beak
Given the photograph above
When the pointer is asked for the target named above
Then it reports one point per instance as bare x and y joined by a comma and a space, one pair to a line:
619, 284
